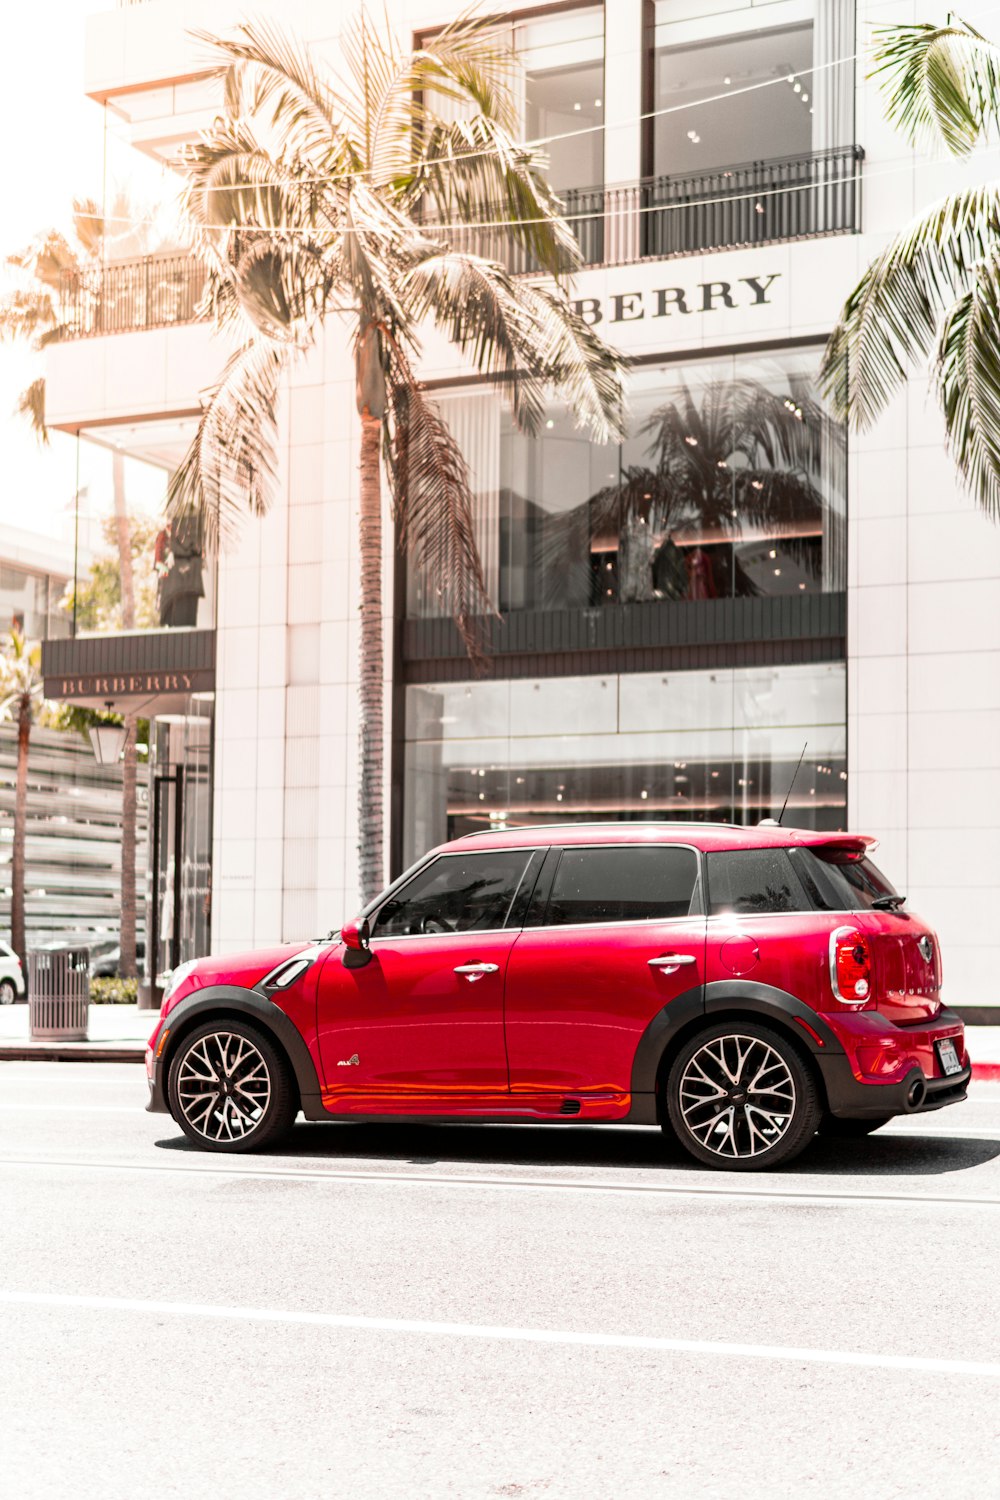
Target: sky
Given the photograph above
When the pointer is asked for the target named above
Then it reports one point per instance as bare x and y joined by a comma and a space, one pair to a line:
61, 145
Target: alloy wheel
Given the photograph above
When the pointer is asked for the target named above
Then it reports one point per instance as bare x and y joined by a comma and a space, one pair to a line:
8, 994
737, 1096
223, 1086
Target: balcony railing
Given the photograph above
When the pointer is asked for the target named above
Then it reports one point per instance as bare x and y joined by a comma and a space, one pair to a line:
793, 198
127, 296
796, 197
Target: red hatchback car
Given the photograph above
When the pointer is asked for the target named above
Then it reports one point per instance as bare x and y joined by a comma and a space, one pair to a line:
743, 988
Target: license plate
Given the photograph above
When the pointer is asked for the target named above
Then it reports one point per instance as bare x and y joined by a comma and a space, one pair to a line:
948, 1057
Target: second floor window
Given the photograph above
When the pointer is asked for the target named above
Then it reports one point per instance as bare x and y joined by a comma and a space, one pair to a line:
740, 91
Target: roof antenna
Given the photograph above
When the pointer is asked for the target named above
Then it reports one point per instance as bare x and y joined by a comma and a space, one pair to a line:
776, 822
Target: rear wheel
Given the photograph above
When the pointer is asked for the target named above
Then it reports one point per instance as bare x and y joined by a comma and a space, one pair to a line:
230, 1089
851, 1130
8, 992
741, 1098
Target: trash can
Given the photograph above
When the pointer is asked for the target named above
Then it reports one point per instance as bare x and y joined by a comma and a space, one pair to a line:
58, 994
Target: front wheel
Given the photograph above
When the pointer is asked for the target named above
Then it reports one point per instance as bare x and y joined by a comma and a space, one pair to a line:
230, 1089
741, 1098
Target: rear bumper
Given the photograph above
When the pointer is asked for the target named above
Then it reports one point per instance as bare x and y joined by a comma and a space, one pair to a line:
892, 1070
850, 1098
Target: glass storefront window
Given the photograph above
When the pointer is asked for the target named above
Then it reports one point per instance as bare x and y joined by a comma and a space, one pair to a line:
776, 84
704, 746
561, 61
180, 823
31, 601
135, 570
731, 484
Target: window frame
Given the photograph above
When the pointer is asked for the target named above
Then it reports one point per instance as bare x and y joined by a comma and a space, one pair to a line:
549, 869
372, 913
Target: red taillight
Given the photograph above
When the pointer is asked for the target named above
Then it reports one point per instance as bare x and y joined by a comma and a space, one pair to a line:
851, 967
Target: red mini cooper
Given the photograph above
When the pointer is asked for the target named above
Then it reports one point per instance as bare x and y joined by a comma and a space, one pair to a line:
743, 988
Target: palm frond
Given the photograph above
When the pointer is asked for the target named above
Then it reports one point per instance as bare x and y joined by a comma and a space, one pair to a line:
480, 308
27, 314
588, 372
472, 172
432, 501
279, 72
31, 404
235, 181
230, 469
891, 316
966, 375
941, 83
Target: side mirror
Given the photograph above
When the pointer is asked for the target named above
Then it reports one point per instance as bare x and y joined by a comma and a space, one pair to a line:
355, 934
356, 937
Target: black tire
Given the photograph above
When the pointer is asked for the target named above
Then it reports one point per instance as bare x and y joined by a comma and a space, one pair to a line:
725, 1118
850, 1130
248, 1108
8, 992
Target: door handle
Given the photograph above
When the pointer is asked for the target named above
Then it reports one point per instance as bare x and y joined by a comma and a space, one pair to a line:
472, 972
668, 962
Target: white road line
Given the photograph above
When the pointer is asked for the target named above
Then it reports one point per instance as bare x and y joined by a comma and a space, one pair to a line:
69, 1109
505, 1184
915, 1362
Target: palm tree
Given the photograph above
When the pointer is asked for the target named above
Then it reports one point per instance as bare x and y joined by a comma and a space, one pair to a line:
314, 198
34, 311
933, 293
21, 689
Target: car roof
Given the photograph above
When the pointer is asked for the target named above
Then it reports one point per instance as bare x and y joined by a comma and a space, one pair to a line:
707, 836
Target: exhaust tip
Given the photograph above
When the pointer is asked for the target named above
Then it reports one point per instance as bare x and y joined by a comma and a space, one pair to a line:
916, 1093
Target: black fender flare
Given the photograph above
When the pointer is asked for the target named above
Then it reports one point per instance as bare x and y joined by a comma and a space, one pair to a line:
704, 1003
250, 1003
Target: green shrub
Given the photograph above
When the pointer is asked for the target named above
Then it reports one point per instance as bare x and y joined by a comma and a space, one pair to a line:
114, 991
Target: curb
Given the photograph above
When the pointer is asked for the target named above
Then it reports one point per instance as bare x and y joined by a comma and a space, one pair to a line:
71, 1052
986, 1072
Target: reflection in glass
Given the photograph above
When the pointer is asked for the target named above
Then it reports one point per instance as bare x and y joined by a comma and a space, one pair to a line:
134, 571
730, 484
702, 746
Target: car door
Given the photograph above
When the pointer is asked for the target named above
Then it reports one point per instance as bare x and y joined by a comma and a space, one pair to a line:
619, 935
419, 1027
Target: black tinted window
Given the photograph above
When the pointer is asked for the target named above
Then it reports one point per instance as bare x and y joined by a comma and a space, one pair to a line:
457, 893
622, 885
839, 881
754, 880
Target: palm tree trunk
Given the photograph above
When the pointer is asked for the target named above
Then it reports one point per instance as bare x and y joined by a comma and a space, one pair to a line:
126, 962
17, 934
127, 959
372, 688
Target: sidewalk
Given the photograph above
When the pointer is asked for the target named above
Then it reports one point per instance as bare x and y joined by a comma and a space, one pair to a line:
118, 1033
115, 1033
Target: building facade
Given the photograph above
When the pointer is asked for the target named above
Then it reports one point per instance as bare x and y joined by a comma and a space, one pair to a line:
741, 603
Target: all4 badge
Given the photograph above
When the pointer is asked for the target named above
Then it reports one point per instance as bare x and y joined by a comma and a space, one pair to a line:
349, 1062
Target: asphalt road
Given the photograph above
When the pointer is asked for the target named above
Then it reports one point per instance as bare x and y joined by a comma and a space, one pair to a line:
553, 1312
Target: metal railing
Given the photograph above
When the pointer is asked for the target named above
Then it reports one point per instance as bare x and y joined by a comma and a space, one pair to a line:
794, 197
126, 296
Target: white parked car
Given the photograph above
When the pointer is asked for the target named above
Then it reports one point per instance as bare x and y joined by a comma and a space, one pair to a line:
11, 977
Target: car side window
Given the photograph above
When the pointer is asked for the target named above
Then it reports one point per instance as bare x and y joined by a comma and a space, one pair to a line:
622, 884
754, 880
455, 893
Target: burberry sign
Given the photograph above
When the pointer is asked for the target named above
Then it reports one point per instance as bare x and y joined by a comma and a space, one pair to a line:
130, 684
678, 301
